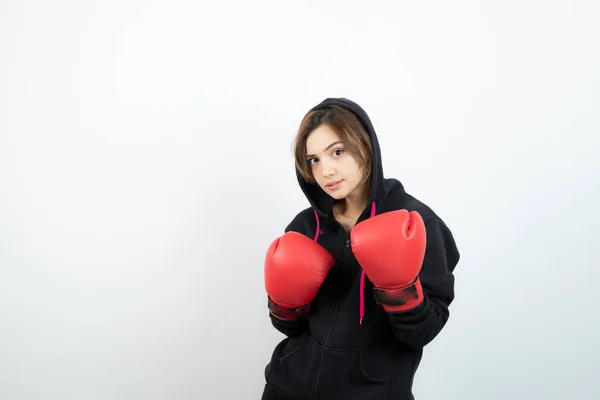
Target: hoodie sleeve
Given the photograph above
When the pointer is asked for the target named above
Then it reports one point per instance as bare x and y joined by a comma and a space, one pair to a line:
299, 325
290, 328
419, 326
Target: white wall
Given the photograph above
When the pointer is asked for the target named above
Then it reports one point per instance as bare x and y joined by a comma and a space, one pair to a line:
133, 134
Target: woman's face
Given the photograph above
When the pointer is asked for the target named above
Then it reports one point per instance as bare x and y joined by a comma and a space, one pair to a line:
336, 170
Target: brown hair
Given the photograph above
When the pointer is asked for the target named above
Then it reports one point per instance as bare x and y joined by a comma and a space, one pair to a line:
349, 129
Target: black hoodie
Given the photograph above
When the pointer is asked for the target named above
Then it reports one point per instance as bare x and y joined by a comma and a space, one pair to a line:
329, 355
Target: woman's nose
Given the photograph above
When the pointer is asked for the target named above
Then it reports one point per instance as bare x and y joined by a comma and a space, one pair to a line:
328, 169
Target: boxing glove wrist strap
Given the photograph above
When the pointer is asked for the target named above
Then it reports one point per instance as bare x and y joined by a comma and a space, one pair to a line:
286, 313
400, 299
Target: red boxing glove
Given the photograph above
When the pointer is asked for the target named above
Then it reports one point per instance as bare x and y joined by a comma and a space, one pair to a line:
295, 268
390, 247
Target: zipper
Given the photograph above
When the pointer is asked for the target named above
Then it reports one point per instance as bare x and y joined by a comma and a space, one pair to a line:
347, 246
315, 390
332, 324
317, 378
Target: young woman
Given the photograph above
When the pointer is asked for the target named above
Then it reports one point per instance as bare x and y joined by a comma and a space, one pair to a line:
361, 280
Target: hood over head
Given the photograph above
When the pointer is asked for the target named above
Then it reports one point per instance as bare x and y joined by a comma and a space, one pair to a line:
318, 198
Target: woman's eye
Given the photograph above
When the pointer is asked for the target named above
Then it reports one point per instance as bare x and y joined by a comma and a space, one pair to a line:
338, 152
312, 160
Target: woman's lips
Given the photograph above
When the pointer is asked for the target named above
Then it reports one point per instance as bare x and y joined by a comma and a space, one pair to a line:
334, 185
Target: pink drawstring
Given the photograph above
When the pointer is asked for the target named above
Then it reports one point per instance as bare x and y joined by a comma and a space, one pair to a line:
362, 296
318, 226
362, 279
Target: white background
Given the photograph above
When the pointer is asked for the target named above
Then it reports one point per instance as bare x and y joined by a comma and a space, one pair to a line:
146, 165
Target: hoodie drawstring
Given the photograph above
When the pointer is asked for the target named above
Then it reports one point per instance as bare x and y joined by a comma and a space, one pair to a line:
362, 279
318, 226
362, 274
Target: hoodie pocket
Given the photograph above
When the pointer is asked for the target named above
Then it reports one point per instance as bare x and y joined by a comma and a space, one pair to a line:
290, 371
345, 377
